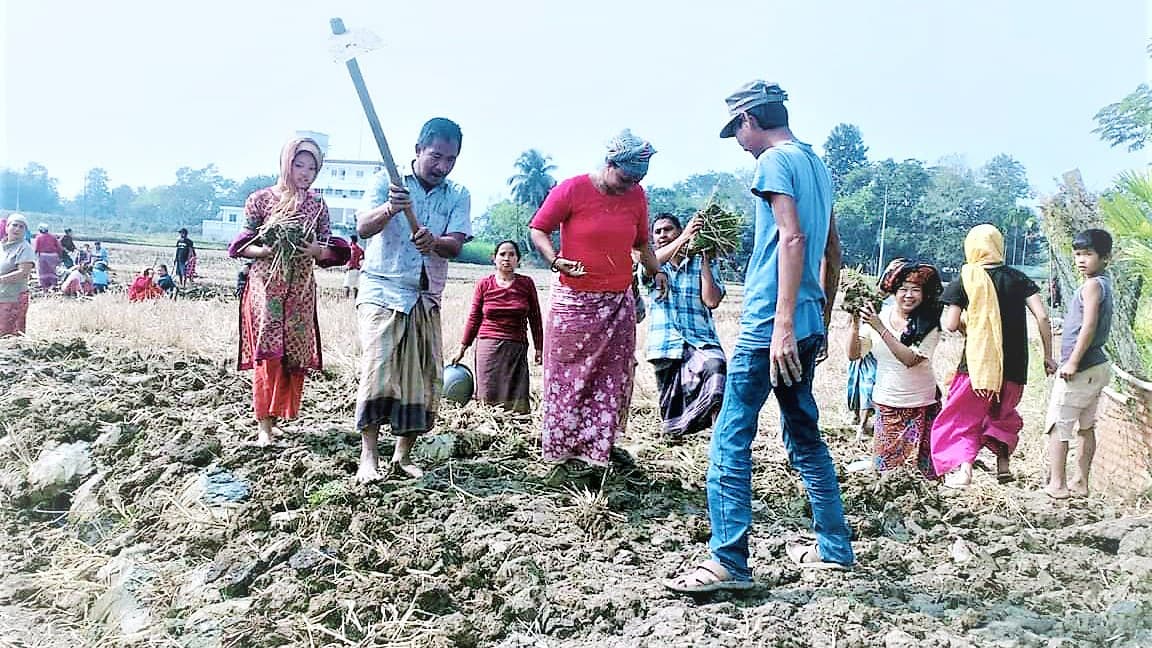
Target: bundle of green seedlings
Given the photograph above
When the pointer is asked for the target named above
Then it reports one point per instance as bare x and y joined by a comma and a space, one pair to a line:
286, 235
859, 289
720, 232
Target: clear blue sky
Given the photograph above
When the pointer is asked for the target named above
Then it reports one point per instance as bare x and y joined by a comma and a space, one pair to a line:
142, 88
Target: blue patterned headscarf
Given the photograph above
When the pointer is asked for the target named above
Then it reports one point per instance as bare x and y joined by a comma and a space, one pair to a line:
630, 154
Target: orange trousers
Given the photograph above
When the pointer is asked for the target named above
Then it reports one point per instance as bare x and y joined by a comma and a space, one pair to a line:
276, 391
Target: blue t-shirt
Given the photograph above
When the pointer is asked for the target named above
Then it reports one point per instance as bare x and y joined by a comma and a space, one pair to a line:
99, 277
795, 170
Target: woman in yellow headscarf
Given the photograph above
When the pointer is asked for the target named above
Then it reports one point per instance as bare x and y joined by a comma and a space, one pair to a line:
981, 406
279, 332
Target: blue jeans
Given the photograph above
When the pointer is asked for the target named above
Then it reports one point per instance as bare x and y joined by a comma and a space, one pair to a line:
730, 460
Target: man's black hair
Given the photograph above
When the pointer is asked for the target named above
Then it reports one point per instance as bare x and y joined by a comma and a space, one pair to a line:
439, 128
769, 115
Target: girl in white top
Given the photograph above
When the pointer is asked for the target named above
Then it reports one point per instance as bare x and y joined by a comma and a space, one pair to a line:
903, 337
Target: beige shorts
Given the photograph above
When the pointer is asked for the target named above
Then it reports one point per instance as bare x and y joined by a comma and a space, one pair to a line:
1073, 402
352, 278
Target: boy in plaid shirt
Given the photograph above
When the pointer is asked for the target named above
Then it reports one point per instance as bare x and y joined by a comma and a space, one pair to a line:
682, 343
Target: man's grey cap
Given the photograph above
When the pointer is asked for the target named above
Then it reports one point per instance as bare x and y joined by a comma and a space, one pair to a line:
753, 93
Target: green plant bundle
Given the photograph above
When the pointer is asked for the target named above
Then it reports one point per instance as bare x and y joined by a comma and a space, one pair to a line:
859, 289
720, 232
286, 236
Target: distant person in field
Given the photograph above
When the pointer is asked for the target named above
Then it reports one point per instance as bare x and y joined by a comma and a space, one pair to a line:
144, 288
1084, 368
164, 281
279, 330
505, 306
78, 282
903, 337
17, 259
99, 253
47, 248
68, 248
242, 277
789, 280
352, 274
590, 331
100, 278
980, 409
84, 255
185, 255
398, 306
683, 346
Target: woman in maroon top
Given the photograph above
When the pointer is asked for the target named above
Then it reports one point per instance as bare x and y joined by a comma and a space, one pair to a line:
503, 307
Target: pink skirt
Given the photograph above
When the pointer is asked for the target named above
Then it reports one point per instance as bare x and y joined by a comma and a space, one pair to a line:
967, 422
14, 316
589, 363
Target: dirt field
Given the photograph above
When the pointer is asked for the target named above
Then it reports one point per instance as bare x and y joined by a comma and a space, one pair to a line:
166, 529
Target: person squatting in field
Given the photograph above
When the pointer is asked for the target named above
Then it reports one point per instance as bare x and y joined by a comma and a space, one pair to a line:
402, 278
279, 331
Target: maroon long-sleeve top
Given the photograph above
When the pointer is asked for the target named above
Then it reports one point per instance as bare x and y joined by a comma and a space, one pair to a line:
505, 313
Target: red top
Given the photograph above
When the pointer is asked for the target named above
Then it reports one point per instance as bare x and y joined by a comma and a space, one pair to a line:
356, 258
596, 229
504, 313
46, 243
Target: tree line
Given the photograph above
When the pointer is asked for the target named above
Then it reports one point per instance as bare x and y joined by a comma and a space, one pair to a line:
195, 195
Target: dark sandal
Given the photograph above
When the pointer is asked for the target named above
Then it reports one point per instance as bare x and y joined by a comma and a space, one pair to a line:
709, 576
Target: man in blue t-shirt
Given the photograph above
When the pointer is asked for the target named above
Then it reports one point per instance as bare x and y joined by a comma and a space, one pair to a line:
789, 282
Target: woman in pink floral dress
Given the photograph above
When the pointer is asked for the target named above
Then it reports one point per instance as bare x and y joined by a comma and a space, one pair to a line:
279, 332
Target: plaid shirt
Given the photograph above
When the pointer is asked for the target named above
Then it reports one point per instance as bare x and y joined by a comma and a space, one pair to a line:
681, 317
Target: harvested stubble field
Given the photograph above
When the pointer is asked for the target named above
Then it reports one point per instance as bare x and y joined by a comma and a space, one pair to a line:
145, 545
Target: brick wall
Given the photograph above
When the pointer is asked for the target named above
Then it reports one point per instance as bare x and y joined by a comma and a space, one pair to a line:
1123, 463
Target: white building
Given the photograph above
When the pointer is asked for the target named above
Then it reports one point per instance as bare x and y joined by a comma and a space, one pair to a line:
227, 224
342, 183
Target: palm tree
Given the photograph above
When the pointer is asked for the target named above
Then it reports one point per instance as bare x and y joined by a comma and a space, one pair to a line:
533, 180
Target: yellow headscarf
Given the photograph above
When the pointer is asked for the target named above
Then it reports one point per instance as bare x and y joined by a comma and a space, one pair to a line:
984, 348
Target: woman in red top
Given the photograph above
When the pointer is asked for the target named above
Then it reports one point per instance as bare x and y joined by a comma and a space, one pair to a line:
590, 339
504, 306
47, 248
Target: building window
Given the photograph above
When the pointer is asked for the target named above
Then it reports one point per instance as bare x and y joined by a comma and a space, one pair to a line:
333, 173
231, 218
360, 173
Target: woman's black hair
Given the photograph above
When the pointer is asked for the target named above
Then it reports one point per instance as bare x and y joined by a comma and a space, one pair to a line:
514, 244
925, 317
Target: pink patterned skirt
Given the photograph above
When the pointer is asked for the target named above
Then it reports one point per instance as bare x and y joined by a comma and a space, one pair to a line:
589, 363
14, 316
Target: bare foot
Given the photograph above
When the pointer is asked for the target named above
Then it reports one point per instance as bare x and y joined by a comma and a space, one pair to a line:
1078, 489
368, 473
1056, 492
408, 468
